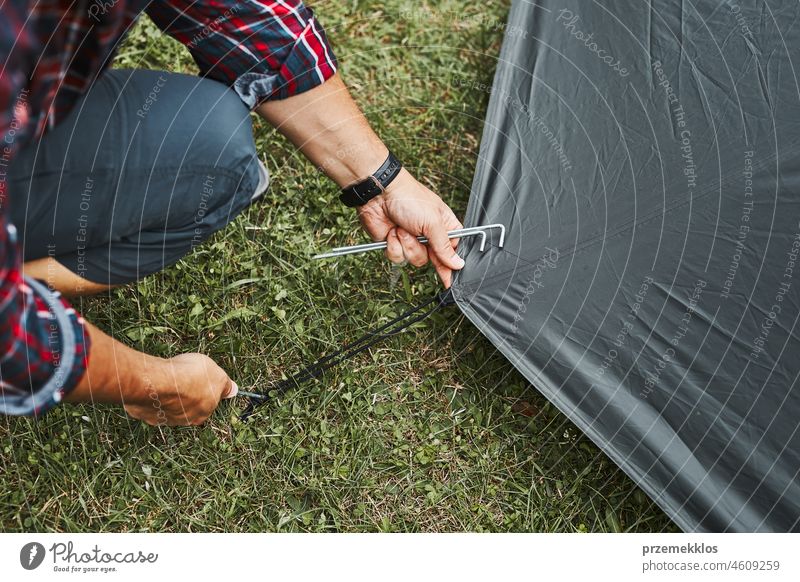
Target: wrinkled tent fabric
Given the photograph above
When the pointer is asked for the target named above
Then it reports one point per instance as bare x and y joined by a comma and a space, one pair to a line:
645, 157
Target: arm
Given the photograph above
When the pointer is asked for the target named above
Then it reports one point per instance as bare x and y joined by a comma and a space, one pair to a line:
183, 390
330, 130
44, 344
276, 57
45, 361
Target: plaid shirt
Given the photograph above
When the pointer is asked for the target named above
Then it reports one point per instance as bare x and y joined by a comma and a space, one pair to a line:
51, 51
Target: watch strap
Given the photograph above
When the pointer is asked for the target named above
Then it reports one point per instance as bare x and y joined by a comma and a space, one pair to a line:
362, 192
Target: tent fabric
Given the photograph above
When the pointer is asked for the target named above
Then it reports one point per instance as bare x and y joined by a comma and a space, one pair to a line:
645, 159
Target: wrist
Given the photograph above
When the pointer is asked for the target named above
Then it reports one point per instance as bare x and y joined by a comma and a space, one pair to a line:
394, 191
118, 374
152, 382
399, 184
359, 193
360, 164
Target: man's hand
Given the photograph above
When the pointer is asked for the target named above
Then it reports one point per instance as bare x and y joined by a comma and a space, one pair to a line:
183, 390
408, 209
331, 131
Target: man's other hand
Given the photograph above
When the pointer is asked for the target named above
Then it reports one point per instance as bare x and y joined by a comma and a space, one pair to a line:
183, 390
406, 210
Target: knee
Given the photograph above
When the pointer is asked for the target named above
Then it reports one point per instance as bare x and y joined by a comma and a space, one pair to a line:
190, 120
225, 133
225, 147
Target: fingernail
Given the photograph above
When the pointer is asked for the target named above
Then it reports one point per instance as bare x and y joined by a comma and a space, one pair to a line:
234, 391
458, 262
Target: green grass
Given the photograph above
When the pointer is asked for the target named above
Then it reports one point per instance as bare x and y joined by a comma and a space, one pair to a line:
431, 431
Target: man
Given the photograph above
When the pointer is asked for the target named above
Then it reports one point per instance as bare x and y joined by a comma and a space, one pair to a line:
107, 176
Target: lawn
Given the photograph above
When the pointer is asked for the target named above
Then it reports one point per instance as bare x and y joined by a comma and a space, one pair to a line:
432, 430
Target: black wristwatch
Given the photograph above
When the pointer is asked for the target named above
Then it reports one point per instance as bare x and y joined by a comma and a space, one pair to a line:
362, 192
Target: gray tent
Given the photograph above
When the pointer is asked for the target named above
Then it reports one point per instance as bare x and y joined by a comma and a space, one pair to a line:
645, 157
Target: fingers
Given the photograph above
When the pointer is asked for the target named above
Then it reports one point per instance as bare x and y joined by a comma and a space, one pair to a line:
394, 249
373, 219
413, 250
442, 248
399, 250
231, 390
445, 273
218, 384
187, 394
454, 224
402, 247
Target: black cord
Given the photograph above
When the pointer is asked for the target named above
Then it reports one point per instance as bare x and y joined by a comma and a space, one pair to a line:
354, 348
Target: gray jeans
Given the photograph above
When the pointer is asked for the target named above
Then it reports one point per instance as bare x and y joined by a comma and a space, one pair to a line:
147, 166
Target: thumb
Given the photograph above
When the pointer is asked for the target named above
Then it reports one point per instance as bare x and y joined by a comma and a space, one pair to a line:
440, 246
374, 220
231, 391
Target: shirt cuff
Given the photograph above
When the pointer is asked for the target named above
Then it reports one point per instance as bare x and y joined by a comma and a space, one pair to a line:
310, 63
67, 330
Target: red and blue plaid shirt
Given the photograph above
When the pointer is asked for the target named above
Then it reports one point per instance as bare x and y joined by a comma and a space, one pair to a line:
51, 51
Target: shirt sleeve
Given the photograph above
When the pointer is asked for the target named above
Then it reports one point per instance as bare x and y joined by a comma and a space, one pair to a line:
43, 343
264, 50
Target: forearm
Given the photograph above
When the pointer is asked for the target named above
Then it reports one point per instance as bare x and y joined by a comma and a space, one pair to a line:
116, 374
181, 390
329, 128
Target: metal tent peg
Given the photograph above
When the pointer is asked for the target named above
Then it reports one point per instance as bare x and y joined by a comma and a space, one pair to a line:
458, 233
